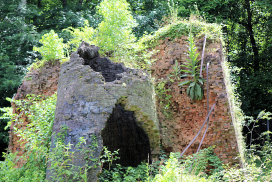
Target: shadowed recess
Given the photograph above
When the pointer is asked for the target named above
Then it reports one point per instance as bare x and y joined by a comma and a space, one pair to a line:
121, 132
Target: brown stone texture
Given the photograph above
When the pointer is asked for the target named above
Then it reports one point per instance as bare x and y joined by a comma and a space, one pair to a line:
187, 116
42, 81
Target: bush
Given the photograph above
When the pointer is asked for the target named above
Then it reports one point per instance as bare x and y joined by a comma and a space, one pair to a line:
80, 34
52, 46
35, 139
116, 28
197, 164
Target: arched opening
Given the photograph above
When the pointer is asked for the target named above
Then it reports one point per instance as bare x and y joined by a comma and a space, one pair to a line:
121, 132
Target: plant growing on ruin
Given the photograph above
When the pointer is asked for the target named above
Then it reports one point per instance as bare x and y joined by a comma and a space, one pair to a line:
61, 155
198, 162
161, 92
173, 11
116, 28
109, 156
194, 90
52, 47
176, 71
80, 34
35, 137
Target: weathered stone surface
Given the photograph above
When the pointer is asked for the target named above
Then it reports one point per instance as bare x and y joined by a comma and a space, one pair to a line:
187, 116
85, 102
80, 99
88, 51
108, 69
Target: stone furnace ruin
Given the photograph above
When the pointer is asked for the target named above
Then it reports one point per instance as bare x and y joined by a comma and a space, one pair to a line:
108, 105
112, 106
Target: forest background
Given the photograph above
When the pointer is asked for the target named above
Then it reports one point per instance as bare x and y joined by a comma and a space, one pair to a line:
246, 26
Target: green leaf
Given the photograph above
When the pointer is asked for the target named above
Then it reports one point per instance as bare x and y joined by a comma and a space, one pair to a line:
199, 91
68, 172
187, 71
192, 93
188, 91
52, 46
201, 80
192, 84
189, 62
184, 83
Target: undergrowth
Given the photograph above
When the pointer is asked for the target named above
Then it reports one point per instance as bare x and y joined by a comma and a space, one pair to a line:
166, 169
36, 139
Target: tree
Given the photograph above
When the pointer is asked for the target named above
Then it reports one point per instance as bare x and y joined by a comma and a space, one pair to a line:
16, 43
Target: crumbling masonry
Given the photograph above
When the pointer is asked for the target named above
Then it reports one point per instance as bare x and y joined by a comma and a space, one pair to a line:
96, 97
186, 115
106, 101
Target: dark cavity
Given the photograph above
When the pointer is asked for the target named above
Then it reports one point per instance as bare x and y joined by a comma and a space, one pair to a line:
121, 132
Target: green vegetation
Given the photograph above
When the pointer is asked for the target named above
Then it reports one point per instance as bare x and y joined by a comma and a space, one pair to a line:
237, 115
195, 91
36, 139
181, 28
52, 47
162, 94
59, 159
64, 24
80, 34
116, 28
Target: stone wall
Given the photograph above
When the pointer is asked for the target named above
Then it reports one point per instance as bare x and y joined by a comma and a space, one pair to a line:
42, 81
116, 112
187, 116
81, 84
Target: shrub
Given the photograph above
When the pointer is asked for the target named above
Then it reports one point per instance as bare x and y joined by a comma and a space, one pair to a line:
80, 34
116, 28
35, 138
197, 163
52, 47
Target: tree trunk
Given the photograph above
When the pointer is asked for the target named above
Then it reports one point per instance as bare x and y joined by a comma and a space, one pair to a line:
251, 35
80, 2
39, 3
64, 3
